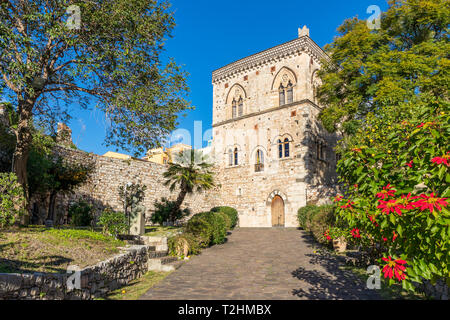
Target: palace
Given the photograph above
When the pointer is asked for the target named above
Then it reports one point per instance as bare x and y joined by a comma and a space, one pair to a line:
271, 153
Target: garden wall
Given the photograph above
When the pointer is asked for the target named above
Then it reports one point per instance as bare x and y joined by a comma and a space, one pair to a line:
109, 173
96, 281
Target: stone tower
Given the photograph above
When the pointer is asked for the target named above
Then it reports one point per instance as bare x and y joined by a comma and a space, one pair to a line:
272, 154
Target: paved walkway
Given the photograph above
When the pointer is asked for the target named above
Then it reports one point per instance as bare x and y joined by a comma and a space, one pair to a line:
261, 264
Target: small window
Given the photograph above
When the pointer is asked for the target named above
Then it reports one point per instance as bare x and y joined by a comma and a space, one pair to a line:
290, 93
281, 95
234, 109
286, 147
280, 149
241, 107
230, 158
259, 165
236, 157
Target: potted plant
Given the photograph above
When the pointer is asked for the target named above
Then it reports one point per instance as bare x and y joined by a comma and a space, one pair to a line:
339, 237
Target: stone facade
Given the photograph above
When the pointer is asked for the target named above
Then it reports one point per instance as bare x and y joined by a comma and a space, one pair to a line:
267, 141
101, 190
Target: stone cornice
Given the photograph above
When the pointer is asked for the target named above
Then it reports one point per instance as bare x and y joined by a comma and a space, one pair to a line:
304, 101
296, 46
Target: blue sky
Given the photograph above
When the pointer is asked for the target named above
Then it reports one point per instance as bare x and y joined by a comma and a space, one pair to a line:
211, 34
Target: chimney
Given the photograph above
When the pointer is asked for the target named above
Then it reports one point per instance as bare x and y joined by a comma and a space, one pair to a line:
303, 32
64, 135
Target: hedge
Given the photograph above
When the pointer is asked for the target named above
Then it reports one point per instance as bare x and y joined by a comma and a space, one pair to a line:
230, 212
316, 219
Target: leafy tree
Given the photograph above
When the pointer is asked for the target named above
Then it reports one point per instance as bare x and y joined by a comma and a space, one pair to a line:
190, 173
12, 201
112, 60
408, 58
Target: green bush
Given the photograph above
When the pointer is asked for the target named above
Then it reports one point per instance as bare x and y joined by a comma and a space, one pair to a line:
12, 200
200, 227
218, 224
80, 214
114, 223
230, 212
163, 212
316, 219
183, 245
227, 219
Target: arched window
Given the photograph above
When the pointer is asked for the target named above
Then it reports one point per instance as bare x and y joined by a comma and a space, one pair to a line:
280, 149
290, 93
236, 157
281, 95
286, 147
259, 165
241, 106
234, 109
230, 157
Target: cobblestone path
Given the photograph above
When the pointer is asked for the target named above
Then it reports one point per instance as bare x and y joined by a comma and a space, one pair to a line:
262, 264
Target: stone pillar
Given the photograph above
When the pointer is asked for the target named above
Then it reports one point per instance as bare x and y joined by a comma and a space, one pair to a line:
137, 221
64, 135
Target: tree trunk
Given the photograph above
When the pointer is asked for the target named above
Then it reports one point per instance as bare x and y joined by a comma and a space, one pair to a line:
178, 204
22, 151
51, 208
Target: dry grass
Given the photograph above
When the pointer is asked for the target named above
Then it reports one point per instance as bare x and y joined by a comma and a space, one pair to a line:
37, 249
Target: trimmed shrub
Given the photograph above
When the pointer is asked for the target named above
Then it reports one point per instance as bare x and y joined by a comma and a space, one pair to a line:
227, 219
316, 219
200, 228
183, 245
80, 214
114, 223
218, 224
12, 200
230, 212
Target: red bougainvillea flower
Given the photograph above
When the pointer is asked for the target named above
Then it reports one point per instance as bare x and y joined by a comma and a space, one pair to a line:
355, 233
338, 198
442, 160
390, 206
394, 267
386, 192
430, 202
348, 205
410, 164
327, 235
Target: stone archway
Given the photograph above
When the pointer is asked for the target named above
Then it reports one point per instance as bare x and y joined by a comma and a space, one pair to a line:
277, 210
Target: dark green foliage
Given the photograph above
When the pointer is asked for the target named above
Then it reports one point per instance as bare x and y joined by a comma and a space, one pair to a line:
183, 245
316, 219
80, 214
200, 227
114, 223
164, 212
227, 220
230, 212
217, 222
12, 201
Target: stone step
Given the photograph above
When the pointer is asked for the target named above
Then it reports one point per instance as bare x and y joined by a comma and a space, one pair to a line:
164, 264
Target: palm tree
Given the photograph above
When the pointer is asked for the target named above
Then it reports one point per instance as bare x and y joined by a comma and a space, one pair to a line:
190, 172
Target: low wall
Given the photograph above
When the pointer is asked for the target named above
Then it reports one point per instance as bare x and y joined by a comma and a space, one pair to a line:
95, 281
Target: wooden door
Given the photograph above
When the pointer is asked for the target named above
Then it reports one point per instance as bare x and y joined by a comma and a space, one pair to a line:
277, 212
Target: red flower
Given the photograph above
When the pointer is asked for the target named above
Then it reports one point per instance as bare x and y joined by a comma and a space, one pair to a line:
355, 233
442, 160
394, 267
410, 164
384, 239
348, 205
372, 219
338, 198
355, 186
405, 202
430, 202
421, 125
327, 235
390, 206
394, 237
386, 192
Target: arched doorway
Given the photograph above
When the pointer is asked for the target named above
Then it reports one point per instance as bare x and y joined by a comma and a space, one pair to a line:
277, 212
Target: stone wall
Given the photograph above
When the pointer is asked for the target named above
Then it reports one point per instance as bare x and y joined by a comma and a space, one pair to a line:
109, 173
95, 281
